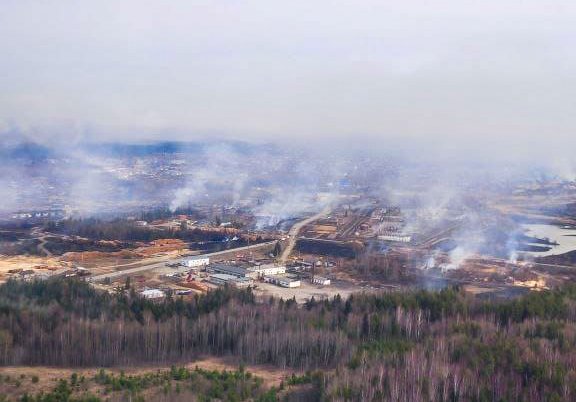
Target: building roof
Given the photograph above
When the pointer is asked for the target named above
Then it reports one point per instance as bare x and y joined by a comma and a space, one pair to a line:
266, 266
223, 277
152, 293
282, 278
229, 278
231, 269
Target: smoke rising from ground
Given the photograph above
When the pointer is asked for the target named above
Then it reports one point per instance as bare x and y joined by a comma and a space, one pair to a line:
278, 185
220, 172
276, 182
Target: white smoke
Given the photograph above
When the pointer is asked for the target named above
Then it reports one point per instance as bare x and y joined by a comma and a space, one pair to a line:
458, 257
220, 172
287, 203
512, 246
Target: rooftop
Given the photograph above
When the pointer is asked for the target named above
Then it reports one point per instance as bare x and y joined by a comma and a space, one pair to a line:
229, 268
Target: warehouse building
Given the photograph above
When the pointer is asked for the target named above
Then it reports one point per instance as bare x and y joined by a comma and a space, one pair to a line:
233, 270
225, 279
396, 238
196, 262
284, 281
152, 294
267, 269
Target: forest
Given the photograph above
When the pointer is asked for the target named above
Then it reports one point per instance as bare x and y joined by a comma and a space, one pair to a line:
414, 346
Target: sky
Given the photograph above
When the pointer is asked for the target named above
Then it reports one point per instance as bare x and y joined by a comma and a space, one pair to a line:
492, 73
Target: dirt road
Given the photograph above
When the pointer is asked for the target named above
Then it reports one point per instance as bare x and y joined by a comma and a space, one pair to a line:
41, 237
157, 265
295, 231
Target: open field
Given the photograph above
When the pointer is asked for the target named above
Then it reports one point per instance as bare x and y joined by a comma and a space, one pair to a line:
33, 380
37, 264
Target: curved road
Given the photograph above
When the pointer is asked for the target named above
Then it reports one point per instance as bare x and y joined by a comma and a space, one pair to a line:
295, 231
41, 237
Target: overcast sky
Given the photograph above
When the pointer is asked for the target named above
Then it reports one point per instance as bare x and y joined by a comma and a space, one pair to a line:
481, 71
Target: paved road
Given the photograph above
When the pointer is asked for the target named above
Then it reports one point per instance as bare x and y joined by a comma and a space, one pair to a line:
295, 231
157, 265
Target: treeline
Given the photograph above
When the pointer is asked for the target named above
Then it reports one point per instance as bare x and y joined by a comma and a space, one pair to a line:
69, 324
166, 213
524, 349
417, 346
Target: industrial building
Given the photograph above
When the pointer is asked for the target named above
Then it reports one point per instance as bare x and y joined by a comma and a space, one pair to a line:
396, 238
233, 270
284, 281
267, 269
152, 294
195, 262
225, 279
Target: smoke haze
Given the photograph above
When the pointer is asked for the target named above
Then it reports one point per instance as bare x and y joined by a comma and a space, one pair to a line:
455, 77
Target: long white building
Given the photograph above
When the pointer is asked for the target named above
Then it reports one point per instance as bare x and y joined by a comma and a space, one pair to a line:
268, 269
195, 262
396, 238
283, 281
152, 294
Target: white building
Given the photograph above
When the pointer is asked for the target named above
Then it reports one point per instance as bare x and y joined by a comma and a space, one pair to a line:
195, 262
233, 270
284, 281
320, 280
152, 294
268, 269
396, 238
222, 279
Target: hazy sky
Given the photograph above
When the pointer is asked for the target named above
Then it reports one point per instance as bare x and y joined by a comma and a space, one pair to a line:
482, 71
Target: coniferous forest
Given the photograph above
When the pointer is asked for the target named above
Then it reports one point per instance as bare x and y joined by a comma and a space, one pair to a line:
418, 346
